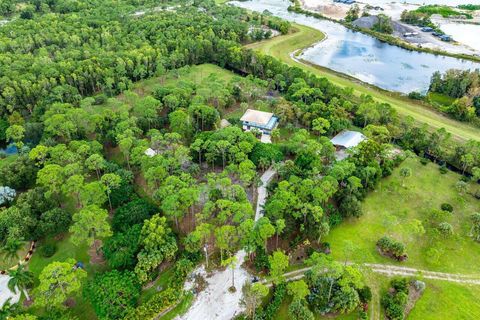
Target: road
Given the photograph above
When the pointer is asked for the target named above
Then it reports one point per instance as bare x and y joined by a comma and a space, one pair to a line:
393, 270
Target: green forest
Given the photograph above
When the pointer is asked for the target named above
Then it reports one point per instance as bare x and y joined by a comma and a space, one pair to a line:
125, 169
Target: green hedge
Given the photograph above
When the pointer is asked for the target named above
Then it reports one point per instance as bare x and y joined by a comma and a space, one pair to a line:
159, 303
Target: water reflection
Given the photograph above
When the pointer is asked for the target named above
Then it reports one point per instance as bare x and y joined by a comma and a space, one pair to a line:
363, 57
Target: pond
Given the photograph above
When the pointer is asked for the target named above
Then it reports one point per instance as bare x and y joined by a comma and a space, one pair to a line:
9, 150
363, 57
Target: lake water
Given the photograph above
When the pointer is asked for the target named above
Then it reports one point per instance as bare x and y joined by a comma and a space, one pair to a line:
424, 2
9, 150
364, 57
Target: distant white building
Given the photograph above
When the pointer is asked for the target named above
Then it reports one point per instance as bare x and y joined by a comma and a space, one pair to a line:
346, 140
150, 152
265, 122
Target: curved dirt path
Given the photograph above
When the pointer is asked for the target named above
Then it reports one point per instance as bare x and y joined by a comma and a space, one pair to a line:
392, 270
216, 302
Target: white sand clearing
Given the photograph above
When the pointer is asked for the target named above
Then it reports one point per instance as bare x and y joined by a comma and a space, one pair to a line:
5, 292
216, 302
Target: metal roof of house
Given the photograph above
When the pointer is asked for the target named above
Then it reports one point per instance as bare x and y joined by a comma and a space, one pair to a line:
255, 116
348, 139
259, 119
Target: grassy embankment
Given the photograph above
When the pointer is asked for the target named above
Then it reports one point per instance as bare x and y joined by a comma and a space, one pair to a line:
281, 47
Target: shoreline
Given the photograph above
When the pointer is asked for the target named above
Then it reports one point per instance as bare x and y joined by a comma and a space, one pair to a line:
386, 38
281, 47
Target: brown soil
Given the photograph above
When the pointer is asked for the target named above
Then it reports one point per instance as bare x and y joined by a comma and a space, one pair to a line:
70, 303
28, 303
413, 296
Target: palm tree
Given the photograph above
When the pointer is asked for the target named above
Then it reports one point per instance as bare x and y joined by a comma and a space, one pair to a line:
8, 309
11, 248
20, 278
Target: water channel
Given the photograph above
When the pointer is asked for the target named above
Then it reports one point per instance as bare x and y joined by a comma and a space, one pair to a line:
364, 57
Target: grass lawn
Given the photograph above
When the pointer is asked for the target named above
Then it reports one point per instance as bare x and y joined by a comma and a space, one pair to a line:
196, 74
440, 98
8, 262
392, 209
66, 250
446, 300
281, 47
7, 160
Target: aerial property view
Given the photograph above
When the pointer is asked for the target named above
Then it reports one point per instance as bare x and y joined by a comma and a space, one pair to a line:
258, 159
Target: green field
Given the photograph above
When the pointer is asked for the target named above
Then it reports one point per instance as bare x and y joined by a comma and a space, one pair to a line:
440, 98
447, 300
281, 47
392, 210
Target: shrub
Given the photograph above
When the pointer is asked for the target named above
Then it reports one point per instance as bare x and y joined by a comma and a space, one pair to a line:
47, 250
156, 305
443, 169
418, 285
445, 229
446, 207
264, 153
270, 311
395, 300
113, 294
392, 248
365, 294
134, 212
416, 95
261, 260
424, 161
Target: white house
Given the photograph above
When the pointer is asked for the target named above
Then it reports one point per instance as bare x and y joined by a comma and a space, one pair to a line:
265, 122
346, 140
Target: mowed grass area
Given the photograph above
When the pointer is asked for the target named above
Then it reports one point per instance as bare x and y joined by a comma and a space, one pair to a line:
440, 300
447, 300
282, 46
393, 210
440, 98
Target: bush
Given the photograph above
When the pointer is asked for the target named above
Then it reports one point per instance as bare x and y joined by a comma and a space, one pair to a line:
416, 95
261, 260
270, 311
132, 213
447, 207
113, 294
392, 248
47, 250
265, 153
443, 169
156, 305
424, 161
419, 285
365, 294
394, 301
